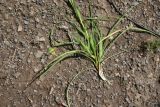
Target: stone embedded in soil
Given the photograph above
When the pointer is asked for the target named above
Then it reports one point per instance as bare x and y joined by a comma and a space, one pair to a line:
135, 3
37, 20
128, 100
64, 27
51, 90
44, 58
16, 75
116, 60
157, 58
38, 54
40, 39
6, 42
23, 2
20, 28
35, 91
150, 75
32, 13
38, 82
139, 0
26, 22
37, 68
99, 96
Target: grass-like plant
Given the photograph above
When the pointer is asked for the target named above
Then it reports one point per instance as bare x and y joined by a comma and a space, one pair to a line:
89, 41
152, 45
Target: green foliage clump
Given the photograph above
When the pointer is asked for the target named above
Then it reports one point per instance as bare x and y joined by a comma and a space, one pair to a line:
89, 40
153, 45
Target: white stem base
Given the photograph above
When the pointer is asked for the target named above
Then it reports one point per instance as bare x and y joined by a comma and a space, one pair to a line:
101, 74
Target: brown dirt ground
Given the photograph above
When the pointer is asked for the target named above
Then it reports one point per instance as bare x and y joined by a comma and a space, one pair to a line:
24, 28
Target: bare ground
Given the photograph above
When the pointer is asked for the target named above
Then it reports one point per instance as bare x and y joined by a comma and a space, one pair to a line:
24, 28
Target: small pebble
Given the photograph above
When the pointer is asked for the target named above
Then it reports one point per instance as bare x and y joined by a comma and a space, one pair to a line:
35, 91
135, 3
36, 69
38, 82
16, 75
51, 91
20, 28
37, 20
6, 42
150, 75
26, 22
38, 54
40, 39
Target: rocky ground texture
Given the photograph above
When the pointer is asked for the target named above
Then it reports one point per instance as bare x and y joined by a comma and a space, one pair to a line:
24, 30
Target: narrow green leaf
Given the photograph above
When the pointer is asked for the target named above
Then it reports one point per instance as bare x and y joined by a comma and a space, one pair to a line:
54, 62
115, 25
142, 30
64, 44
79, 30
93, 44
101, 50
110, 35
115, 39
